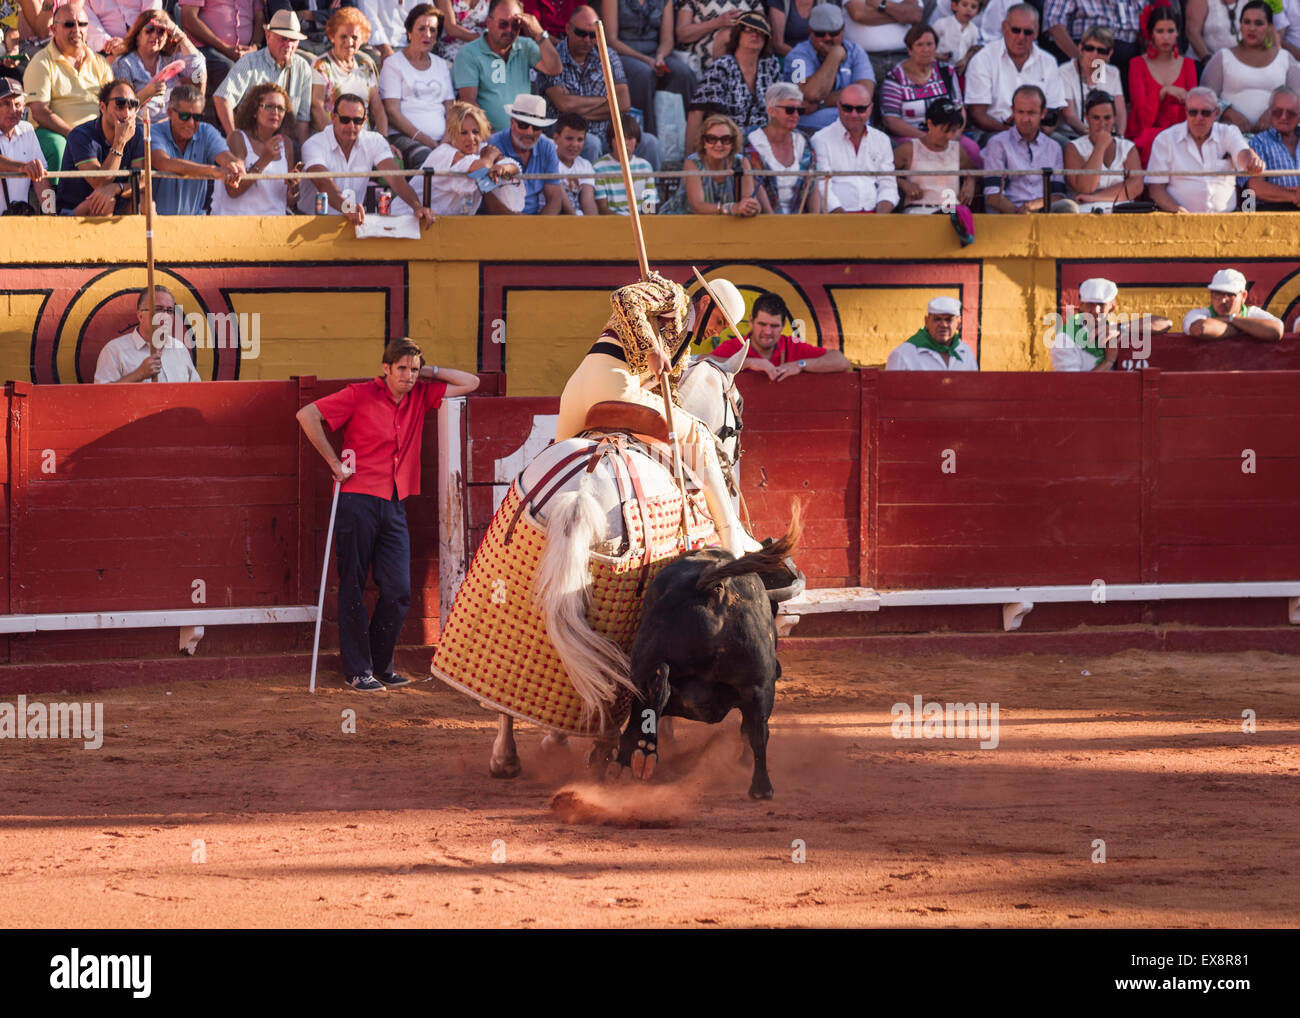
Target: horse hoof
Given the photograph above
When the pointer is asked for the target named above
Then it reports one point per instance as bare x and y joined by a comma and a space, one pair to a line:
614, 771
505, 768
761, 791
644, 758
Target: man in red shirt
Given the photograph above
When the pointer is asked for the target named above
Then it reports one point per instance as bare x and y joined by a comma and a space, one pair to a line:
382, 421
776, 353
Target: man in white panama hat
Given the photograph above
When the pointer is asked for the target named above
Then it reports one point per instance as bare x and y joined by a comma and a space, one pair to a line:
649, 331
278, 61
1229, 315
535, 153
938, 345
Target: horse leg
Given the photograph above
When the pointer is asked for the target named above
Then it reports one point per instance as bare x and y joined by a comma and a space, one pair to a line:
553, 741
505, 757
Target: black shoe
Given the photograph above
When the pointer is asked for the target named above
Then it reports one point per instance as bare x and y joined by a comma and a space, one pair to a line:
365, 683
393, 679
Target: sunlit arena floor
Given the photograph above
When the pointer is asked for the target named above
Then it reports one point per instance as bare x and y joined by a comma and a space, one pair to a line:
1122, 791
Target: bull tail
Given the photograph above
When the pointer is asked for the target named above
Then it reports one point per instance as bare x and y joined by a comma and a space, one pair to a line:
596, 665
762, 561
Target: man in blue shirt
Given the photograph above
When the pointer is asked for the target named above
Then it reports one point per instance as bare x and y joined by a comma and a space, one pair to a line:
109, 142
824, 64
190, 148
1278, 148
524, 142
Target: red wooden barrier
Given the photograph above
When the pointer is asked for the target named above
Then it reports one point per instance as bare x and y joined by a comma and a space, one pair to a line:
1175, 351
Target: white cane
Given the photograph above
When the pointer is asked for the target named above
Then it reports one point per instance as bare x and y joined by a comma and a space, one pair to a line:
324, 573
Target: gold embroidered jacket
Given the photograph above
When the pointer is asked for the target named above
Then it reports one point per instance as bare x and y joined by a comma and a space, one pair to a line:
643, 313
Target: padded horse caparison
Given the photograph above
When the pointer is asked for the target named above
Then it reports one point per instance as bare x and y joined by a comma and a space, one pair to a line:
621, 415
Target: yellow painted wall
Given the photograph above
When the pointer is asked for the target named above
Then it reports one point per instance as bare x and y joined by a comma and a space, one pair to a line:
334, 330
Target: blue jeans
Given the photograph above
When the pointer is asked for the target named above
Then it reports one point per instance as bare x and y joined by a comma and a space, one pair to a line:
370, 534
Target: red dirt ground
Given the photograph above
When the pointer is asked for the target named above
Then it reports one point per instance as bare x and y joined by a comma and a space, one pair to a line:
397, 825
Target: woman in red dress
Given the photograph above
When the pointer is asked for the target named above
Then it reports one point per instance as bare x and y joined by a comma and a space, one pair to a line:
1158, 81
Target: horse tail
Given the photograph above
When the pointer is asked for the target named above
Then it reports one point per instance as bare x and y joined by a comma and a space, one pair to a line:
761, 561
595, 664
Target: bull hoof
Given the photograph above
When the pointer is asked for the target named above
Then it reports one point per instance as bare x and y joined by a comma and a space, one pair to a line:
644, 758
505, 768
761, 790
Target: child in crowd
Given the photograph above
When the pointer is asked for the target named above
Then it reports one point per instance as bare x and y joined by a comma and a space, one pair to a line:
611, 195
579, 185
958, 34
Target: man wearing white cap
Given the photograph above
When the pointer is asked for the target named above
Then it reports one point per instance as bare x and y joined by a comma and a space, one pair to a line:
278, 61
1089, 341
650, 330
938, 346
1229, 315
522, 140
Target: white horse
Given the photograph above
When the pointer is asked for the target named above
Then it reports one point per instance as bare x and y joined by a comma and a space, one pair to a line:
586, 515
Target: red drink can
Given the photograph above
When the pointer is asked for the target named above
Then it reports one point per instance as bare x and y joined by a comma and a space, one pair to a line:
384, 202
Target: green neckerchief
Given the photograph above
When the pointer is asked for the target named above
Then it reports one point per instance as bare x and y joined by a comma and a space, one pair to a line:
925, 341
1243, 313
1074, 328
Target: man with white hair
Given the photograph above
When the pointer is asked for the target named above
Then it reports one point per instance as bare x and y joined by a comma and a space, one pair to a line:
1229, 316
1089, 341
1203, 143
937, 346
1000, 68
1278, 148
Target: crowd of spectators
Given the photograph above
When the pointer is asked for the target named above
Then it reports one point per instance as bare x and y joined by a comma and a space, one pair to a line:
776, 107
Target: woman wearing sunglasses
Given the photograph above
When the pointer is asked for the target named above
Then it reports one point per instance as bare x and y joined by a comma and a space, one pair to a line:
259, 142
152, 43
727, 188
1091, 72
779, 145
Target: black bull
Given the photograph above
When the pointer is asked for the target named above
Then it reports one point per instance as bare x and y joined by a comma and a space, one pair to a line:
706, 645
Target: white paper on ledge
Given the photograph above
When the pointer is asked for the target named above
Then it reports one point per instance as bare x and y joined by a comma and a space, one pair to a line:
398, 227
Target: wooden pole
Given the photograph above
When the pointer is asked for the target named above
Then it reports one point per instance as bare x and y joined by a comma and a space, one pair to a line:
148, 234
634, 213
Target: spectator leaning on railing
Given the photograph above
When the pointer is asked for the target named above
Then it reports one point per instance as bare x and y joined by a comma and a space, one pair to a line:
851, 144
773, 351
109, 142
463, 150
524, 142
726, 188
778, 145
1024, 147
278, 61
20, 153
347, 149
1199, 144
1229, 316
579, 180
189, 148
937, 149
1089, 341
260, 143
63, 80
1277, 147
